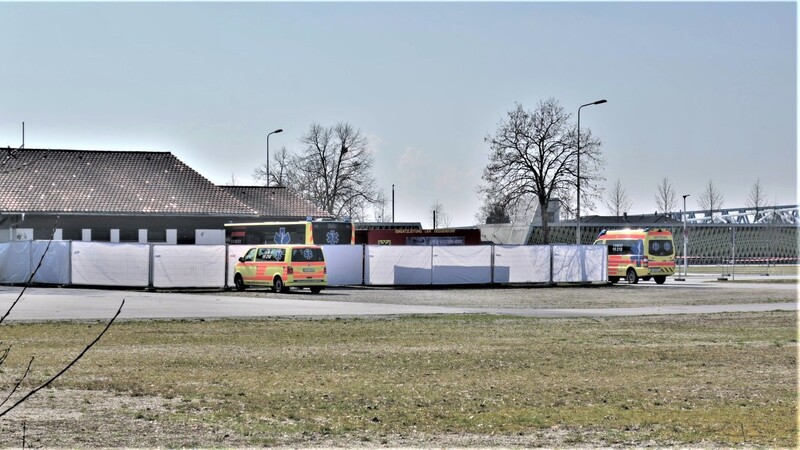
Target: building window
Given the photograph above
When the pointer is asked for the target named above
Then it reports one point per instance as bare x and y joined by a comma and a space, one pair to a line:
71, 234
128, 235
156, 235
101, 235
185, 236
42, 234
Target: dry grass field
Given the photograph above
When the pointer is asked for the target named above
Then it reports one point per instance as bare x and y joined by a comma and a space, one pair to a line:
465, 381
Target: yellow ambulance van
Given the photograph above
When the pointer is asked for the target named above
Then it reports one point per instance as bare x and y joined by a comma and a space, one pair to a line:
639, 254
281, 267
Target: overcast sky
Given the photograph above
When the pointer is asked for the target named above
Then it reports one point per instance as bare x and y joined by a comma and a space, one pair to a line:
696, 92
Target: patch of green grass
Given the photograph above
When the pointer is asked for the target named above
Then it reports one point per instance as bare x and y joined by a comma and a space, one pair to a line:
721, 379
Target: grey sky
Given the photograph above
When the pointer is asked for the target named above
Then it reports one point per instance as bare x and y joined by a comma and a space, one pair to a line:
696, 92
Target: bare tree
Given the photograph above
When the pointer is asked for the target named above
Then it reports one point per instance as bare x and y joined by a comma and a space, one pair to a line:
534, 153
617, 200
491, 213
494, 211
280, 169
438, 216
334, 171
710, 199
757, 199
379, 207
666, 199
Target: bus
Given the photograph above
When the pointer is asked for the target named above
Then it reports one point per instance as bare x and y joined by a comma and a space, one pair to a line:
307, 232
635, 254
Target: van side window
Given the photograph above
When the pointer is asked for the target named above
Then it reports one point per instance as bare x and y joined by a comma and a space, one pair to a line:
625, 247
251, 254
277, 254
307, 255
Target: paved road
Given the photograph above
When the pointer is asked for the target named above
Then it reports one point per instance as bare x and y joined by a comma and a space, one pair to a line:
91, 304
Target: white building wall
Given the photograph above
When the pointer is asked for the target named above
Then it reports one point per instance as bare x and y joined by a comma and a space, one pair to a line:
22, 234
209, 237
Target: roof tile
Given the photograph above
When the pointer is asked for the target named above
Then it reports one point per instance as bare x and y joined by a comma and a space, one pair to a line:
109, 182
275, 201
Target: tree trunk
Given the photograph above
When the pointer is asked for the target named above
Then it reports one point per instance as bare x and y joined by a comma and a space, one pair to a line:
545, 226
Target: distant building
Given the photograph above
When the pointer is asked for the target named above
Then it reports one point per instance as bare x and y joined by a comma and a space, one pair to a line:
412, 233
553, 212
112, 196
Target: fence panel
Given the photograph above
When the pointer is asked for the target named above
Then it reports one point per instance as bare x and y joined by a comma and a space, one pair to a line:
521, 263
55, 265
579, 263
15, 262
345, 264
234, 253
397, 265
110, 264
462, 265
200, 266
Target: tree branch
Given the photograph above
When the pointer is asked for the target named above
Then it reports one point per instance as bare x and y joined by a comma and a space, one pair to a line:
16, 386
77, 358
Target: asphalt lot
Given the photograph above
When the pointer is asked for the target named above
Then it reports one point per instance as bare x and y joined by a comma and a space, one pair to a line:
697, 295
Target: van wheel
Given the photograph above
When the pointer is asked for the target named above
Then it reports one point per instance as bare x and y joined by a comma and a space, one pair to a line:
613, 279
660, 279
646, 278
316, 290
277, 285
239, 282
631, 277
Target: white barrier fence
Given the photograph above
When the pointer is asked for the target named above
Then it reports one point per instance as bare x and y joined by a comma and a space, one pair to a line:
212, 266
18, 260
106, 264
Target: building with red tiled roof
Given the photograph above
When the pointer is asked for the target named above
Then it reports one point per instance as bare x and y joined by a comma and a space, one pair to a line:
125, 197
276, 202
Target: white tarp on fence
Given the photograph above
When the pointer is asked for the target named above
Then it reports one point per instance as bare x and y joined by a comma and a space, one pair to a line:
201, 266
115, 264
15, 262
521, 264
55, 265
345, 264
18, 260
462, 264
579, 264
397, 265
108, 264
234, 253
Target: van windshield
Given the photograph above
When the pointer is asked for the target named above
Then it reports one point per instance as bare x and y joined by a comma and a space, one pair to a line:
661, 247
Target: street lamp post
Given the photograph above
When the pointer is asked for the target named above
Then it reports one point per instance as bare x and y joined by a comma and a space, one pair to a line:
279, 130
685, 242
578, 213
336, 180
